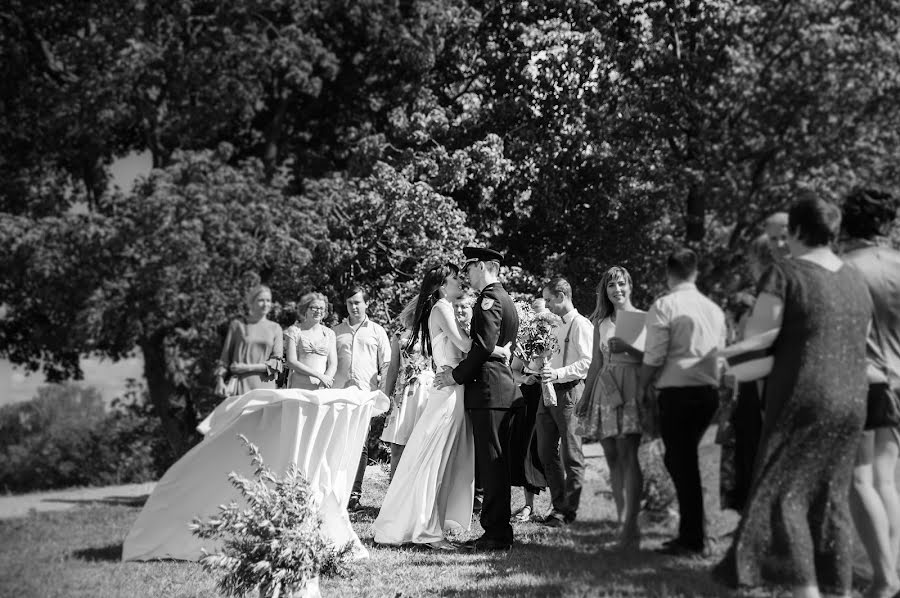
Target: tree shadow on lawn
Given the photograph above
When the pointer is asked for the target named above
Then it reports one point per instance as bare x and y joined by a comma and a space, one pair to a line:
124, 501
111, 553
590, 565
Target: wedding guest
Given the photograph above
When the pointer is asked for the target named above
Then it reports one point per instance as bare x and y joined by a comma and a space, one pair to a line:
310, 349
408, 379
684, 331
559, 445
874, 503
364, 355
528, 471
253, 347
776, 232
795, 528
462, 308
740, 430
612, 386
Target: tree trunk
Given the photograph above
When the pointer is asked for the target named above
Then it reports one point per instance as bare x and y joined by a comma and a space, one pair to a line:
162, 390
695, 216
273, 135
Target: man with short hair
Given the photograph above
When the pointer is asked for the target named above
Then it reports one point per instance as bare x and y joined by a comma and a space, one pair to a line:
559, 445
684, 331
491, 396
364, 354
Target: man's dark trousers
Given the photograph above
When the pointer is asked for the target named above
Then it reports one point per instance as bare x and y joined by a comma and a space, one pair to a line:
491, 429
559, 448
684, 415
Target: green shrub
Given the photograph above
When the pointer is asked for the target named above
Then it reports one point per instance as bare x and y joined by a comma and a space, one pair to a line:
276, 543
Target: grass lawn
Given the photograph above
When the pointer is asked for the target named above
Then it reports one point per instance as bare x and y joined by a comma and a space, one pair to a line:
77, 552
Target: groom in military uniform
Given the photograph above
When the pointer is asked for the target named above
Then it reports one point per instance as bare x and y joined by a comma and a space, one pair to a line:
492, 398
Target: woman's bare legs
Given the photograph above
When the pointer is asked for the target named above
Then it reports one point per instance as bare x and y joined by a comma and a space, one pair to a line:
396, 453
611, 452
632, 487
871, 516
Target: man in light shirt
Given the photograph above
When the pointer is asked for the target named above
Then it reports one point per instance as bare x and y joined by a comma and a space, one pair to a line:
684, 331
364, 354
559, 447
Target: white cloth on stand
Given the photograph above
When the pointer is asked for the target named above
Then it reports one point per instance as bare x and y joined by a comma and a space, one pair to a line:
321, 431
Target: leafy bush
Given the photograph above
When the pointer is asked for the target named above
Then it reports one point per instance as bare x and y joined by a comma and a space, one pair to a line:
66, 437
277, 542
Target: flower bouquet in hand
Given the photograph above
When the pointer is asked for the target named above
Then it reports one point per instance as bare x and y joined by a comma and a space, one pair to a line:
536, 343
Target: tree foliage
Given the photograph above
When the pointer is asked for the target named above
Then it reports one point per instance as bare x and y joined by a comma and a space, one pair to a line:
312, 143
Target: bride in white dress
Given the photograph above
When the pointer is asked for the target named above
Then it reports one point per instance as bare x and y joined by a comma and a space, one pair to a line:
433, 487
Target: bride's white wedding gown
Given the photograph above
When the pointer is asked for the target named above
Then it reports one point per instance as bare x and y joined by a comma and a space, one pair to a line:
434, 484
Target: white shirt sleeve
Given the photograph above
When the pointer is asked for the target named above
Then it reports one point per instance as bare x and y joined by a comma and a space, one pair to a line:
581, 348
657, 344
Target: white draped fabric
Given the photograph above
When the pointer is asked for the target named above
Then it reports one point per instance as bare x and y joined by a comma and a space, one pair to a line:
321, 431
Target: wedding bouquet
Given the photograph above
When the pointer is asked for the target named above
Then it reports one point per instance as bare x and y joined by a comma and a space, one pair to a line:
536, 343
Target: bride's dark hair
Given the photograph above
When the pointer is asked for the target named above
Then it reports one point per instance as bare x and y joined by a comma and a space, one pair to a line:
428, 296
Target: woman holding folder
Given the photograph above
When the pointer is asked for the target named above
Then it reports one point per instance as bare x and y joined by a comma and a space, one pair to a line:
613, 410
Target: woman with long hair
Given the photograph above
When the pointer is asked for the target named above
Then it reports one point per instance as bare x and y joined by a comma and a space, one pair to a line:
409, 378
433, 487
613, 410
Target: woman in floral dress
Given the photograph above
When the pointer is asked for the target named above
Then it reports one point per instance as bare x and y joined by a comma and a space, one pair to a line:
408, 379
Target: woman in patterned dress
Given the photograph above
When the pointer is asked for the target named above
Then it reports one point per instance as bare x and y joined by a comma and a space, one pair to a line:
613, 409
310, 349
408, 379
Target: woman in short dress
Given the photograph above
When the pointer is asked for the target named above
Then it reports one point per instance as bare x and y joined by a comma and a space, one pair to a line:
409, 377
614, 409
310, 349
253, 348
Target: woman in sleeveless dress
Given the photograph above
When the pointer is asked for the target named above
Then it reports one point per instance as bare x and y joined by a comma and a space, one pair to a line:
434, 484
409, 379
310, 349
612, 385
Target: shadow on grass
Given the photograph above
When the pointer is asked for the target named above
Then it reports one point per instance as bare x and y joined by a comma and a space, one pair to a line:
590, 563
124, 501
104, 554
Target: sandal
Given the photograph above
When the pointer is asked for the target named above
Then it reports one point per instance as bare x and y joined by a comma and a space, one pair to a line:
523, 514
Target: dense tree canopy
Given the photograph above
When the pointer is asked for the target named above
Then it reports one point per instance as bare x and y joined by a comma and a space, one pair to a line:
308, 143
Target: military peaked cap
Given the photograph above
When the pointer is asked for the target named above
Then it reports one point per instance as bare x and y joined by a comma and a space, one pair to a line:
480, 254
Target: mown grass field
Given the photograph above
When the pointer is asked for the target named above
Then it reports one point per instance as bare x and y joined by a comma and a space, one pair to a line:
76, 553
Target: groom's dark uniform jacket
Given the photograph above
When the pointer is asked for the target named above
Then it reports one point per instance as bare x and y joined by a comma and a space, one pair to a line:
488, 380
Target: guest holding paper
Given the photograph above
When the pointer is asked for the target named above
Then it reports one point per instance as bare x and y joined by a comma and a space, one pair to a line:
684, 331
795, 528
613, 405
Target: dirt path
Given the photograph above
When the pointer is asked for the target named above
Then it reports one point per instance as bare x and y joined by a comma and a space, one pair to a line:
60, 500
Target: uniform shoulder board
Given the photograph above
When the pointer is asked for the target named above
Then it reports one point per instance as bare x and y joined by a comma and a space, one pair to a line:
487, 303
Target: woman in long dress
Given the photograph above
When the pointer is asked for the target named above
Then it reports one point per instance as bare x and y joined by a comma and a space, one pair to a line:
795, 529
612, 388
434, 484
310, 348
409, 379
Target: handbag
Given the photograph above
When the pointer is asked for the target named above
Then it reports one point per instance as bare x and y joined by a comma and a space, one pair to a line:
751, 358
231, 386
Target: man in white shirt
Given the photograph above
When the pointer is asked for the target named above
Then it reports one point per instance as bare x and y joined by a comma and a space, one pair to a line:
364, 354
684, 331
559, 446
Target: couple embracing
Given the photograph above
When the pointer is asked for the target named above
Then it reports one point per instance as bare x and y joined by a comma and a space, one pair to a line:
468, 415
